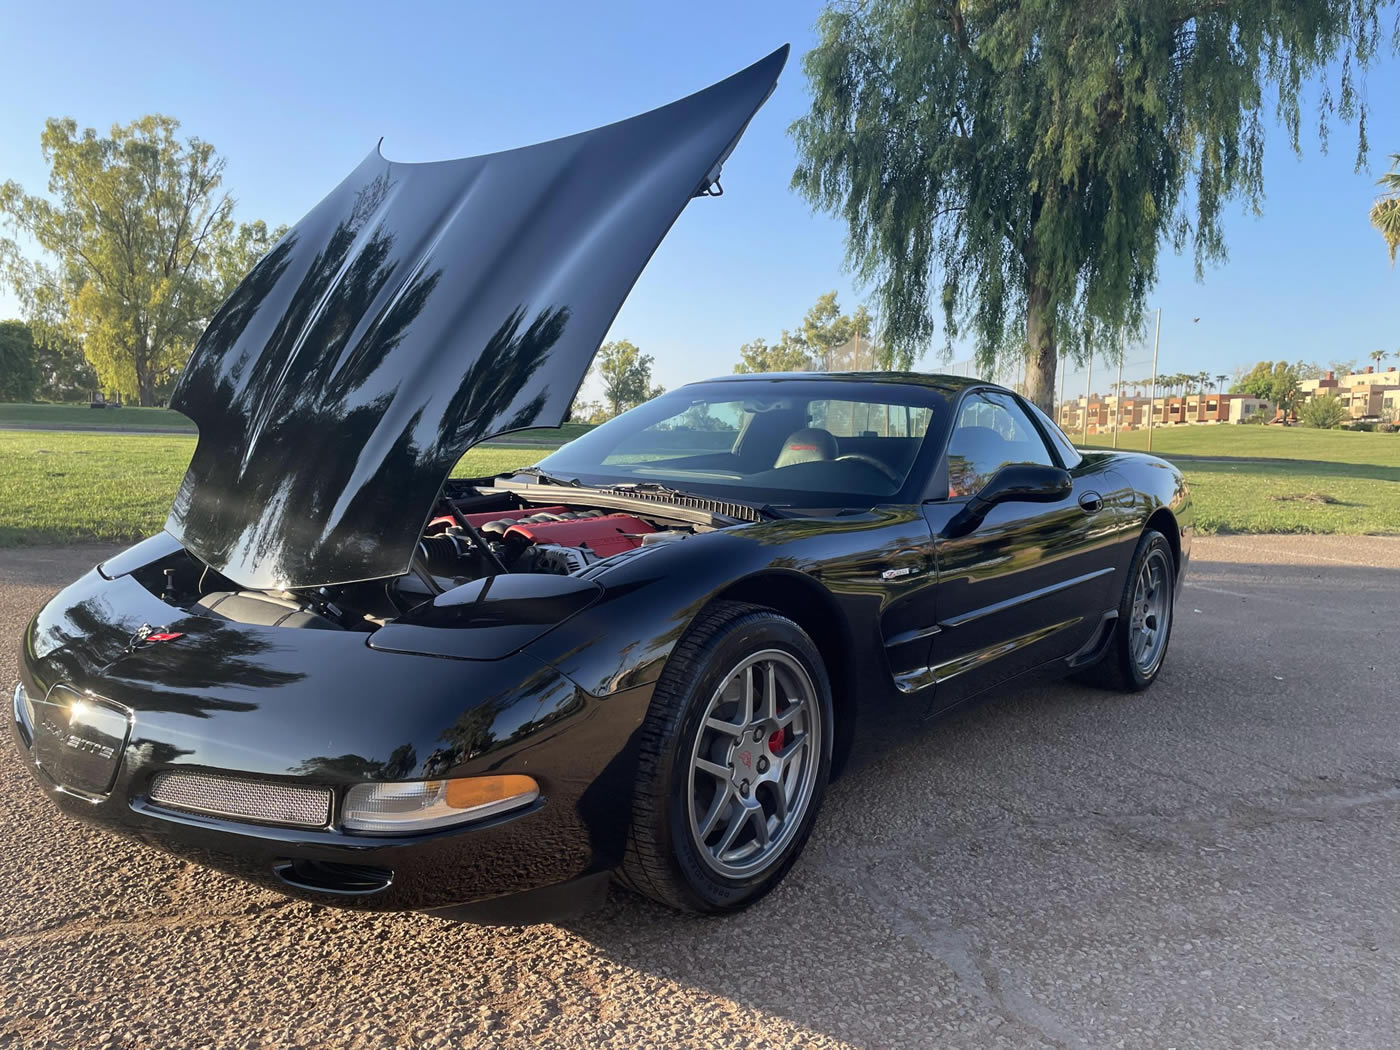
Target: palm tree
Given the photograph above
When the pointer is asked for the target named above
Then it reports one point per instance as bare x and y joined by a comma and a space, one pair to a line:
1378, 356
1173, 383
1385, 214
1220, 381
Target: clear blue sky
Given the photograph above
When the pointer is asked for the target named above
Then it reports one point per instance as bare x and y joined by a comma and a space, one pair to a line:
295, 95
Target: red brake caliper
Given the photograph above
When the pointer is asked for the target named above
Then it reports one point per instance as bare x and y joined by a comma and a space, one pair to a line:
775, 740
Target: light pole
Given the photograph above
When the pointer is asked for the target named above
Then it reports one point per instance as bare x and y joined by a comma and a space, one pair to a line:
1152, 396
1088, 386
1118, 390
1060, 407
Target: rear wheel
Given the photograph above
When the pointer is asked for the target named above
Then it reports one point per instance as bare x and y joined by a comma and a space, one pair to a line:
735, 756
1144, 625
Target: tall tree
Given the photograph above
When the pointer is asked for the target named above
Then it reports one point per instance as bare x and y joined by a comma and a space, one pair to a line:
19, 366
1385, 213
141, 244
1378, 356
626, 376
1220, 381
1275, 381
825, 327
1014, 165
788, 354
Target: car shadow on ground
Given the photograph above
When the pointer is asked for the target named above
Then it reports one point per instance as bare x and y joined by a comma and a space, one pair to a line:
857, 944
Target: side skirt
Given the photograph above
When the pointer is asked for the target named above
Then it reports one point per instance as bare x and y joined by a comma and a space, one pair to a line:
924, 677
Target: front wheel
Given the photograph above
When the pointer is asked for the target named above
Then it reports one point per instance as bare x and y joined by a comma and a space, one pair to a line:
1143, 629
735, 756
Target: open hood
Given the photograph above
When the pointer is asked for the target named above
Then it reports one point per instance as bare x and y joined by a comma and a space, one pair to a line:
416, 311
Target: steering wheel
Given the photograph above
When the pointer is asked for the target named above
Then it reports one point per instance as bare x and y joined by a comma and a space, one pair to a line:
871, 461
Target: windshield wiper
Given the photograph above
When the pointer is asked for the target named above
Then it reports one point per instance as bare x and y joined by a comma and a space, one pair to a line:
544, 478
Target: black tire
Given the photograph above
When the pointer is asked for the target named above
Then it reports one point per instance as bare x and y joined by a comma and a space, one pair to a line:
662, 860
1119, 668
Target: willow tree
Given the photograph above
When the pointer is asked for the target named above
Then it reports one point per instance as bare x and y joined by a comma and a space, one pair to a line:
1012, 167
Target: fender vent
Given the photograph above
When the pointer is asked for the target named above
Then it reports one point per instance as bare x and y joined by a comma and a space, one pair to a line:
241, 799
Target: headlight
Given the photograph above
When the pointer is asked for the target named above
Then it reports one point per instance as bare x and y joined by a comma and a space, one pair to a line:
399, 808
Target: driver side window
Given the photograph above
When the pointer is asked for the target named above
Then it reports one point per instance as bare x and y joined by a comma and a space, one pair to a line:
991, 431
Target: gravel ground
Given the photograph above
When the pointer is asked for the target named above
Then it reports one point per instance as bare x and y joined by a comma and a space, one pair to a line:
1211, 864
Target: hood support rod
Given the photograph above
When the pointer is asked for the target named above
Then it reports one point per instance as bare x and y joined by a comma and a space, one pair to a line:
470, 529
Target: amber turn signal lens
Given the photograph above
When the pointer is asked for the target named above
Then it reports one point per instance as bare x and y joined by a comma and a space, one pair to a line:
470, 792
401, 807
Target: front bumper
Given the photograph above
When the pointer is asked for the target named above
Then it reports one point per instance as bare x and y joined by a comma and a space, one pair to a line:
322, 708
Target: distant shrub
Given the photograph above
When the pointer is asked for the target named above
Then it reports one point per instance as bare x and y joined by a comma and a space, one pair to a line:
1324, 412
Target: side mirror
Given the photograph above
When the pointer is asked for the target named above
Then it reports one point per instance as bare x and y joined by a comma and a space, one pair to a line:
1016, 483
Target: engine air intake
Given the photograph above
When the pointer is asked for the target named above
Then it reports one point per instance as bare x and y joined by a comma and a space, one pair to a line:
241, 799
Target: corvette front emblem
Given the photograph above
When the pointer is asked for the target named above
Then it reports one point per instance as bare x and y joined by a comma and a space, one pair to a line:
147, 635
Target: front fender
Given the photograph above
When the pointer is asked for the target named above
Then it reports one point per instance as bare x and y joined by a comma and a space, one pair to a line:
650, 599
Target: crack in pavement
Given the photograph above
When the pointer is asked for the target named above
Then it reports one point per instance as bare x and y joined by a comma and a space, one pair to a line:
996, 986
1000, 987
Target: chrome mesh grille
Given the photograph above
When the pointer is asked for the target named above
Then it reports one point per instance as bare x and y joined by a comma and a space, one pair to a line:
307, 807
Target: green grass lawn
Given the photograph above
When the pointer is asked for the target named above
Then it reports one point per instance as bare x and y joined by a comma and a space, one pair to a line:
1259, 442
125, 418
80, 417
1282, 479
59, 487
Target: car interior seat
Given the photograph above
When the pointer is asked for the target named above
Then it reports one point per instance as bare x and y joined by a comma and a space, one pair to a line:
808, 445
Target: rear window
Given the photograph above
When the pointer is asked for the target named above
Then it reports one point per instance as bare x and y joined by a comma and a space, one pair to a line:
870, 419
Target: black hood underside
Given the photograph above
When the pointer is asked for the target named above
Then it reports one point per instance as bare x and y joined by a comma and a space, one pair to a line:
416, 311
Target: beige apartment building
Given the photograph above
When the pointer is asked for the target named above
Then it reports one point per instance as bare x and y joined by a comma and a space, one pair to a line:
1130, 413
1365, 395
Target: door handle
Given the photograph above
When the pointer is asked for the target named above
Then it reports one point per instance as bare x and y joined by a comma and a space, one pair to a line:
1091, 502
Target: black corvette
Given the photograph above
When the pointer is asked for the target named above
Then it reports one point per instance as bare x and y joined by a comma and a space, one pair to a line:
341, 675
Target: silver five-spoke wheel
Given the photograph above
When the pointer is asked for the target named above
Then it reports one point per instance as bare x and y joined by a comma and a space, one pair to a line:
754, 763
1151, 612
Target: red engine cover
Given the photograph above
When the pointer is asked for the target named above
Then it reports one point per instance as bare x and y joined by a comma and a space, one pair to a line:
478, 520
611, 534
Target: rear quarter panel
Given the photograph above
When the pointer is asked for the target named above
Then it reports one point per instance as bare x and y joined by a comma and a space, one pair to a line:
1160, 496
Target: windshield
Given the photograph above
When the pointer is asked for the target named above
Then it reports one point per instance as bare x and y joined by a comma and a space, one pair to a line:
800, 442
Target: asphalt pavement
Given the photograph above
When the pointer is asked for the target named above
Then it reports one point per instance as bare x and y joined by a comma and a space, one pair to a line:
1211, 864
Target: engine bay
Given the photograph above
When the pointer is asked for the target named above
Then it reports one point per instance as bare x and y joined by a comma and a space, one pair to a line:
468, 537
535, 539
